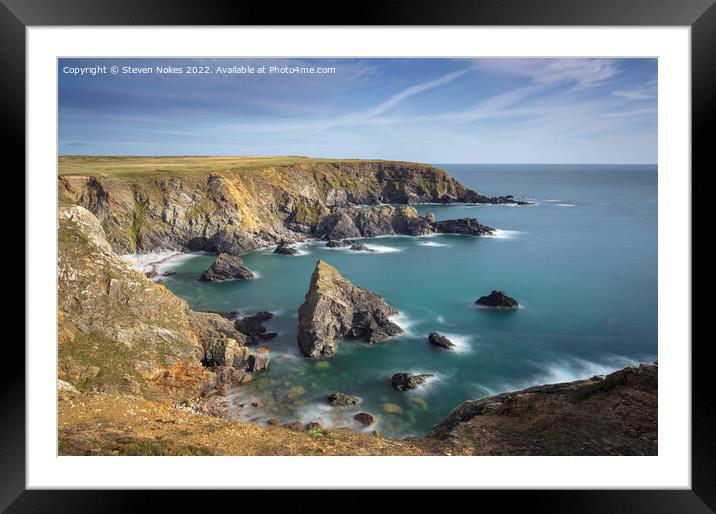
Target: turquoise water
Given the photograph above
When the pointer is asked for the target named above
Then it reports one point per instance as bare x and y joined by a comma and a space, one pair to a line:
582, 262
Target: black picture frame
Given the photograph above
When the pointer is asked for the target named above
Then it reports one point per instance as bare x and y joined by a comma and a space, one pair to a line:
700, 15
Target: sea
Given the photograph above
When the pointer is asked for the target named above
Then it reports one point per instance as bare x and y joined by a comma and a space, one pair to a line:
581, 261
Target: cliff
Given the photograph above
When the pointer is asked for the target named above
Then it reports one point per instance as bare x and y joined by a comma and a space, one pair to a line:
121, 332
611, 415
235, 205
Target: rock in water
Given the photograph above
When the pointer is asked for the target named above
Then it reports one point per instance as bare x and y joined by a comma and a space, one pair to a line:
497, 299
360, 247
407, 381
364, 418
333, 243
285, 249
226, 267
335, 308
465, 226
439, 340
342, 400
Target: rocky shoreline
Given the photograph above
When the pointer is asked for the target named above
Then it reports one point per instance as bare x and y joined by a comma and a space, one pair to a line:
122, 334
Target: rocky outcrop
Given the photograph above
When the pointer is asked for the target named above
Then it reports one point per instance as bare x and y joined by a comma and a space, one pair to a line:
227, 267
438, 340
285, 248
358, 247
407, 381
334, 308
497, 300
604, 415
120, 332
342, 400
253, 328
464, 226
346, 223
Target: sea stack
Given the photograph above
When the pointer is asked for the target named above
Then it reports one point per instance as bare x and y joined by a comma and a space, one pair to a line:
406, 381
227, 267
439, 340
497, 300
335, 308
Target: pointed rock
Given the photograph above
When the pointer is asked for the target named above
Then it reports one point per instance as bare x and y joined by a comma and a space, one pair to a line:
335, 308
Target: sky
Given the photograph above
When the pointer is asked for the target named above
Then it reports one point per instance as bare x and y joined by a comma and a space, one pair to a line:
596, 111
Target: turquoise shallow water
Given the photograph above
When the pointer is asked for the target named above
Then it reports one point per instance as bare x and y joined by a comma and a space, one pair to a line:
582, 262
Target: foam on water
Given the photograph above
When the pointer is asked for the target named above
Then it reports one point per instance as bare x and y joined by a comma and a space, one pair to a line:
145, 261
433, 244
405, 322
504, 234
565, 205
463, 343
382, 249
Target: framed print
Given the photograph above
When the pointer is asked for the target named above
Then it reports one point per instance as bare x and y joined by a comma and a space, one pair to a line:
454, 242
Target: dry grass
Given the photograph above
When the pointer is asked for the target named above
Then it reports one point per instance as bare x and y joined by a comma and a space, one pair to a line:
108, 424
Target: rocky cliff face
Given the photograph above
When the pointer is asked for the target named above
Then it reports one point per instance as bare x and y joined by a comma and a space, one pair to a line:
335, 309
238, 210
611, 415
119, 331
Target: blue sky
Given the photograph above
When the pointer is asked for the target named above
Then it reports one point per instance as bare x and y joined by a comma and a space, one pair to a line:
427, 110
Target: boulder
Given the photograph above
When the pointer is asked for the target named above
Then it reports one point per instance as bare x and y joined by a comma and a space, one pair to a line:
169, 273
364, 418
359, 247
285, 248
226, 267
314, 425
498, 300
465, 226
441, 341
333, 243
258, 362
334, 308
342, 400
296, 426
407, 381
252, 327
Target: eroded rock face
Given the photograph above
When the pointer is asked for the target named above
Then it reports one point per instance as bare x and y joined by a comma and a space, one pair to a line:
439, 340
498, 300
349, 223
407, 381
334, 308
227, 267
465, 226
120, 332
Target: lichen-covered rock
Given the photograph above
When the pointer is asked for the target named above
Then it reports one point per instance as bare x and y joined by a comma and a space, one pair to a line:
119, 331
227, 267
334, 308
407, 381
498, 300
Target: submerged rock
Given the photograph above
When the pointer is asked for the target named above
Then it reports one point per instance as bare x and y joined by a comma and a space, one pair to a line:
169, 273
407, 381
333, 243
359, 247
285, 248
466, 226
497, 299
364, 418
342, 400
334, 308
440, 341
226, 267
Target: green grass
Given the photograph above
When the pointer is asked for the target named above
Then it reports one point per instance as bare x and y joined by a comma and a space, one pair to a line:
157, 167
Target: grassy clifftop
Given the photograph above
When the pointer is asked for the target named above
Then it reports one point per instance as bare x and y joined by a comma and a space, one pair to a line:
131, 167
